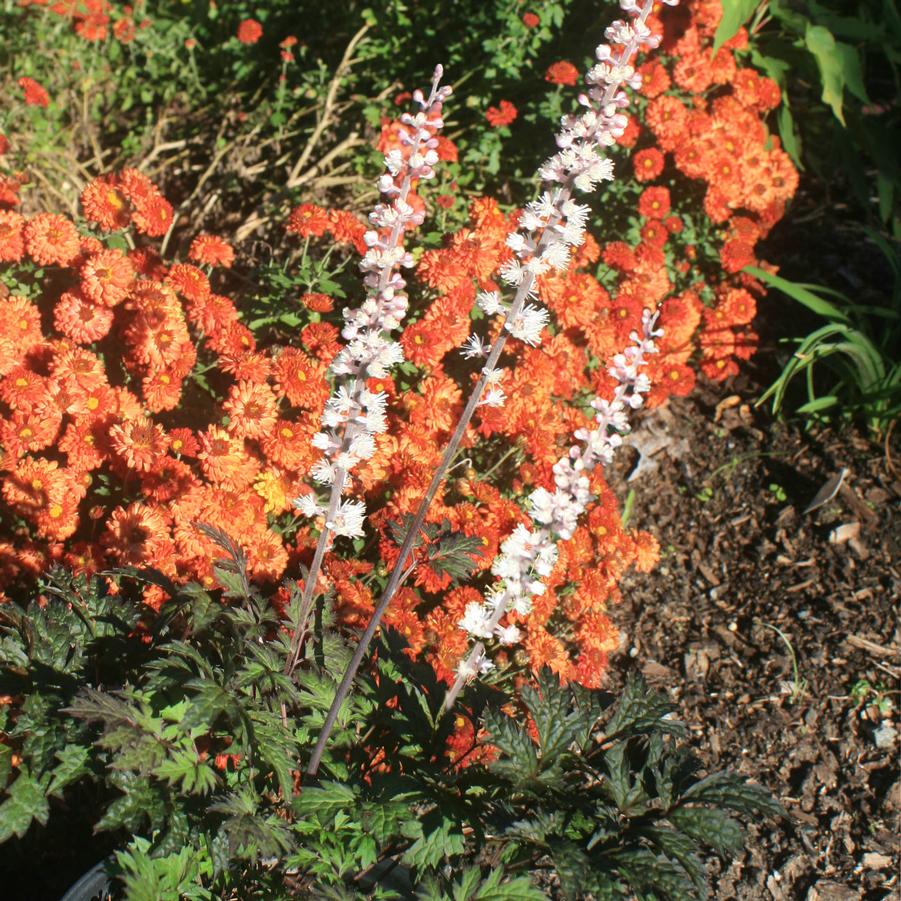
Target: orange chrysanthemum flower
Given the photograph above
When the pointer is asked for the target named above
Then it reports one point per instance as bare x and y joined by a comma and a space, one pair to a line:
152, 216
81, 447
647, 164
35, 484
105, 205
138, 533
210, 250
737, 306
162, 390
30, 430
190, 282
183, 442
224, 459
321, 339
654, 203
34, 93
504, 113
106, 277
136, 186
252, 410
300, 379
654, 79
20, 331
213, 314
249, 31
288, 445
139, 443
562, 73
51, 239
308, 220
318, 303
22, 388
346, 228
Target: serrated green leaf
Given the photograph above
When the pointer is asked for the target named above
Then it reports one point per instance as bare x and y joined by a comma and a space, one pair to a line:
140, 803
556, 723
735, 793
438, 838
653, 876
639, 708
496, 888
26, 801
573, 868
233, 584
209, 701
712, 826
684, 850
183, 766
382, 819
521, 761
72, 764
325, 800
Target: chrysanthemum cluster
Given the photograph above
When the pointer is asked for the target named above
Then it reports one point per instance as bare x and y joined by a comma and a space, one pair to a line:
107, 454
528, 557
134, 402
354, 414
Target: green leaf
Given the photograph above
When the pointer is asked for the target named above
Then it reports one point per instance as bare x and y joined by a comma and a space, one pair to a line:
140, 802
712, 826
196, 776
72, 764
852, 70
519, 889
791, 140
470, 886
573, 868
209, 702
683, 849
325, 801
653, 876
800, 293
735, 793
233, 584
735, 14
520, 763
640, 709
437, 838
820, 42
277, 749
26, 801
821, 403
382, 819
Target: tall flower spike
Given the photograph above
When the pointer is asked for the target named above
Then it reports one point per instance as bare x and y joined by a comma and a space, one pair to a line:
353, 415
528, 556
555, 220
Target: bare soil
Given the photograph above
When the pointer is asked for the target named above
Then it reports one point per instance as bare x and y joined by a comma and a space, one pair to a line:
760, 620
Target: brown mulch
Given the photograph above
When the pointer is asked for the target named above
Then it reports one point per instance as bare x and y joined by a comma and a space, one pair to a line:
724, 489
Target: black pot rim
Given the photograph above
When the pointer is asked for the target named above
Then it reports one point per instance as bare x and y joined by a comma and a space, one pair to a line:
93, 883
